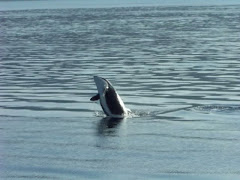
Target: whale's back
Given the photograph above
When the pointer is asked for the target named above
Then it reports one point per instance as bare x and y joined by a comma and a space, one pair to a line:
113, 102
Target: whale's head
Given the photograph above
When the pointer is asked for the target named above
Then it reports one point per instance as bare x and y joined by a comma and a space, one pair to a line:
102, 85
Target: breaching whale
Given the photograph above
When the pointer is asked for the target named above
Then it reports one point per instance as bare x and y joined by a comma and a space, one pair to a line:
110, 101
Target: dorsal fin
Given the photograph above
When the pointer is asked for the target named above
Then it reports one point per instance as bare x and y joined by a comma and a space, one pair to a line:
95, 98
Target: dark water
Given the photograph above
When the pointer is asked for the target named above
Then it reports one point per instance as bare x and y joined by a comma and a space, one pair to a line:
176, 68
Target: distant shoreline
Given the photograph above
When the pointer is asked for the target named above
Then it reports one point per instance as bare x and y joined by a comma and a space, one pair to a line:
74, 4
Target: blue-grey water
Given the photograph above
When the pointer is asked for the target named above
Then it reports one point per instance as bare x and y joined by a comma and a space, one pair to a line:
176, 68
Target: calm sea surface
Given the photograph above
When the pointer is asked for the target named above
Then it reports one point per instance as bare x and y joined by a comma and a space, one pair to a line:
176, 68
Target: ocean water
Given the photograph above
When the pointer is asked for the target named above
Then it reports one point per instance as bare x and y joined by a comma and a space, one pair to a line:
176, 68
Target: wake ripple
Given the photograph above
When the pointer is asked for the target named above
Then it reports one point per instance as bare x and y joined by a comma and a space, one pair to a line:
216, 108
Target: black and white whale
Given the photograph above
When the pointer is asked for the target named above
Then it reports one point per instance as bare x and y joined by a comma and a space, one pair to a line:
110, 101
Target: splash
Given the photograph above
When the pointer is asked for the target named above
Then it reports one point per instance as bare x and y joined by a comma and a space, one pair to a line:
131, 113
99, 114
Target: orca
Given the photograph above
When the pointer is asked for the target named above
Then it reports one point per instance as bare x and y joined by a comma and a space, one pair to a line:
110, 101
